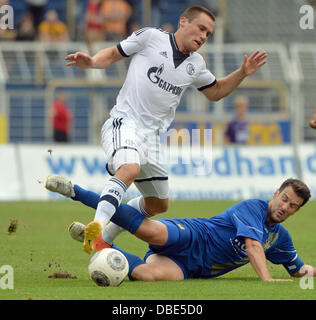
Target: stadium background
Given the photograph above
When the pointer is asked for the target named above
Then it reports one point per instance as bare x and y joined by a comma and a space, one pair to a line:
281, 100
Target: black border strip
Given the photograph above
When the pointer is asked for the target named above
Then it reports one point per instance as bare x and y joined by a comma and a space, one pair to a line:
120, 49
151, 179
208, 86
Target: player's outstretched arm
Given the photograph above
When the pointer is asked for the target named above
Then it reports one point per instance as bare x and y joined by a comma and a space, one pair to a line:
228, 84
306, 270
258, 260
100, 60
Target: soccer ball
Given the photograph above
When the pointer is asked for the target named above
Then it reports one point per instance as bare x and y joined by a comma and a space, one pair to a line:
108, 267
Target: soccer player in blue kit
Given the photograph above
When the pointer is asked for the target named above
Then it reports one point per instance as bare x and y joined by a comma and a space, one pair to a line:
249, 231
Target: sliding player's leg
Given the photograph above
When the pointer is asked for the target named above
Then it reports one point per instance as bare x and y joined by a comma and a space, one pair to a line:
166, 239
60, 184
157, 267
64, 186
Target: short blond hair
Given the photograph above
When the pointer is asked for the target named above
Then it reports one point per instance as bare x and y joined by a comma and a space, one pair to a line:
241, 100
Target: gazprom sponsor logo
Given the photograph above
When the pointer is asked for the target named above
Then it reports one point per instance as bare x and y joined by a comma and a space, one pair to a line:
153, 75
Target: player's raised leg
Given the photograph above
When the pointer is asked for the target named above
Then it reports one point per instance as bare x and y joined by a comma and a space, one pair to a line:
110, 200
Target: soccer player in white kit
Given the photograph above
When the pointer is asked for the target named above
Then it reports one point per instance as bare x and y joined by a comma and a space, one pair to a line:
163, 65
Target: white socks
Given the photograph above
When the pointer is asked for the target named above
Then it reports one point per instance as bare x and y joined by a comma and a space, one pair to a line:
110, 199
137, 203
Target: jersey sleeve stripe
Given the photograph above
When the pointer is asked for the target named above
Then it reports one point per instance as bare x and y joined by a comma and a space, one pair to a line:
208, 86
119, 47
138, 32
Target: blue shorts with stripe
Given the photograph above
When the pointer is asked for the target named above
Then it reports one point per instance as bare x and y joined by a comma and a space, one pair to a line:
184, 246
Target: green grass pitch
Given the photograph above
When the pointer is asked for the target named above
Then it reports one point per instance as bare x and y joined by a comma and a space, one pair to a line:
41, 246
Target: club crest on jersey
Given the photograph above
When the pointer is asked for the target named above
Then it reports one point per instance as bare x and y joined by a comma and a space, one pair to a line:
153, 75
190, 69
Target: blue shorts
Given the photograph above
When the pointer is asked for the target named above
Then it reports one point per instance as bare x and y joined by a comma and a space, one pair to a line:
191, 247
178, 247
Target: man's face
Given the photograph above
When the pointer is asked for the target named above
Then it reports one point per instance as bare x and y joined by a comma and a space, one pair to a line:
241, 109
196, 32
283, 205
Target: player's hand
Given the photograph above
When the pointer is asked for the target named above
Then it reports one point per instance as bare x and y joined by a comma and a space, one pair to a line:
79, 59
312, 120
312, 123
251, 64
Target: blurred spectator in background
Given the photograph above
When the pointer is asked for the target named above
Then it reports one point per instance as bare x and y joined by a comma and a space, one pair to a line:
238, 129
52, 29
61, 118
26, 29
209, 4
116, 14
94, 22
36, 9
132, 23
156, 11
168, 27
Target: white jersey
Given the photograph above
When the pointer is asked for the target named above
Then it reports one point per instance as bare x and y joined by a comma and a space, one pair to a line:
157, 77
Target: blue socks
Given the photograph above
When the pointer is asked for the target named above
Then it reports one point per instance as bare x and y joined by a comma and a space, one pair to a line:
133, 260
128, 218
89, 198
125, 216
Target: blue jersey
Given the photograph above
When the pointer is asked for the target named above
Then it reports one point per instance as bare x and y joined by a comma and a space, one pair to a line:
206, 248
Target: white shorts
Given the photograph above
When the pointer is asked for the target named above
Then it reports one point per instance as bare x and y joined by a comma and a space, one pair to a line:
123, 142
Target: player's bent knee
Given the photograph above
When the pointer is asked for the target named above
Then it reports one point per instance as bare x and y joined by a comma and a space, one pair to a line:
128, 172
153, 232
156, 206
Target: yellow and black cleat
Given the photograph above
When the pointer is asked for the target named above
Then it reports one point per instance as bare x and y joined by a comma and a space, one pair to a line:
92, 231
